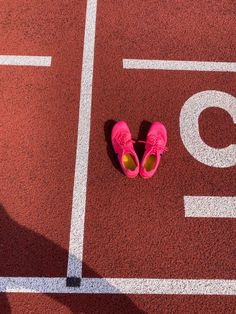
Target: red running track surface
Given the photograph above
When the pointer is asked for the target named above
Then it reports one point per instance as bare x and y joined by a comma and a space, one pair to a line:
133, 228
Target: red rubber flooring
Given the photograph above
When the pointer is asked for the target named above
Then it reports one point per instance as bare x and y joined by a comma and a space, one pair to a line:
133, 228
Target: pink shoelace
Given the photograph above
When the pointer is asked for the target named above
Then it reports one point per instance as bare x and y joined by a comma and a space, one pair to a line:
157, 144
124, 139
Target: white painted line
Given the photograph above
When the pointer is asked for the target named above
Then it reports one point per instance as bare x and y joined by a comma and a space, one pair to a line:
38, 61
142, 64
210, 206
189, 128
119, 286
80, 181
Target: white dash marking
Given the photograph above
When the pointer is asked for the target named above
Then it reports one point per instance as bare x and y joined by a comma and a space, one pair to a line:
210, 206
141, 64
37, 61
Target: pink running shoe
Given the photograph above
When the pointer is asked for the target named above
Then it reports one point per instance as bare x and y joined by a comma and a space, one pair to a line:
155, 146
123, 146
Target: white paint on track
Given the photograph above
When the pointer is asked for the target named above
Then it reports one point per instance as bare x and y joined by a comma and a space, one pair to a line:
210, 206
190, 133
81, 168
112, 285
141, 64
119, 286
37, 61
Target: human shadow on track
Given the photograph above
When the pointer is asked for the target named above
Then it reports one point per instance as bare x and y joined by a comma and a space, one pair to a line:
23, 254
4, 304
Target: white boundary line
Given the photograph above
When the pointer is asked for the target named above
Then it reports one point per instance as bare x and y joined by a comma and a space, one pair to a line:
119, 286
81, 167
142, 64
38, 61
210, 206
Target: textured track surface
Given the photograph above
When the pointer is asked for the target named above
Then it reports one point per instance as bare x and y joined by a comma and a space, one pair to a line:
133, 228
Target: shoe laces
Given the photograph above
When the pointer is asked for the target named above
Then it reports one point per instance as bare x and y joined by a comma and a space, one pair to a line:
123, 139
157, 144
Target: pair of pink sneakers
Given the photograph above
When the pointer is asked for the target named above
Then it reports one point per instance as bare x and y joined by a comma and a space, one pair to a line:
123, 145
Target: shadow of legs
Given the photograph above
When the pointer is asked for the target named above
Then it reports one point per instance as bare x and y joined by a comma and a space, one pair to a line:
33, 253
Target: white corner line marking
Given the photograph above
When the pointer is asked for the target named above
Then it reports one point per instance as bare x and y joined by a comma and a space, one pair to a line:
81, 165
141, 64
210, 206
37, 61
119, 286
